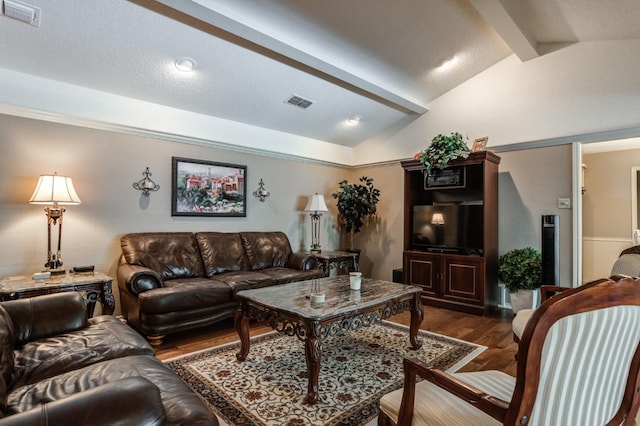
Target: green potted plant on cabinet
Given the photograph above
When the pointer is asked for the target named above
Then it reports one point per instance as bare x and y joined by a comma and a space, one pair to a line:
521, 272
442, 150
357, 202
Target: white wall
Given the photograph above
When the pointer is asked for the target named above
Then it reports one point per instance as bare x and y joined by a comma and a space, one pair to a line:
531, 181
381, 240
579, 89
606, 210
104, 166
529, 185
35, 97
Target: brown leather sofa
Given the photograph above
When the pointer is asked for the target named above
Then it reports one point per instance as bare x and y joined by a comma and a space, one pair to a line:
175, 281
59, 368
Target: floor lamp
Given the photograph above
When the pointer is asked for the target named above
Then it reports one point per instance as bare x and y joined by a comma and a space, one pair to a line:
315, 206
55, 190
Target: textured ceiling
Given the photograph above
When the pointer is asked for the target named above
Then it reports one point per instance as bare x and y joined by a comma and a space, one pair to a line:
372, 58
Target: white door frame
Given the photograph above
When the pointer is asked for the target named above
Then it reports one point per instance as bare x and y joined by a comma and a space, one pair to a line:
577, 213
634, 197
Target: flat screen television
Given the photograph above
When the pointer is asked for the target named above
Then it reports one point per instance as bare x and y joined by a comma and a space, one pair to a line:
448, 228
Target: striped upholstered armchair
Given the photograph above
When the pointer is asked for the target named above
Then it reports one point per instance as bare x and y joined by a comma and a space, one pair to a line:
578, 364
523, 315
627, 264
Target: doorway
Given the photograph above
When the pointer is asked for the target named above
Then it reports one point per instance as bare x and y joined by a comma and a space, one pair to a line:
609, 207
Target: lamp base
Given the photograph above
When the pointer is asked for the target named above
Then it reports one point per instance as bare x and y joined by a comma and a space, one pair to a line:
315, 251
56, 271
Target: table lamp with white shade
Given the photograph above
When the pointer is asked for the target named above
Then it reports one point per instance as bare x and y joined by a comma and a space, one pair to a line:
316, 205
55, 190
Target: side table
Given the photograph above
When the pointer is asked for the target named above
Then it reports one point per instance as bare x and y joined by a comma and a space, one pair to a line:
329, 260
95, 285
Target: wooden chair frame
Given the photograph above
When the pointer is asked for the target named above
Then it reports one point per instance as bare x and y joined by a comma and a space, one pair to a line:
592, 296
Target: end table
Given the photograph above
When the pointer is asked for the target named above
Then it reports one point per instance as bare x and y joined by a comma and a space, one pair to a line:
95, 285
329, 260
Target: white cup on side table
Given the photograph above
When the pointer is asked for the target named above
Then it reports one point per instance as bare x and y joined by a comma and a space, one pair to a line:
355, 280
317, 298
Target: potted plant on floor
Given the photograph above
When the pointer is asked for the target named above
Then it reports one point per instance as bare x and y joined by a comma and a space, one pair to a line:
521, 272
442, 150
356, 204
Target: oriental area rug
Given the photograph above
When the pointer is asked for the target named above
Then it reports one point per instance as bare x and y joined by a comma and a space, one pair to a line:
357, 369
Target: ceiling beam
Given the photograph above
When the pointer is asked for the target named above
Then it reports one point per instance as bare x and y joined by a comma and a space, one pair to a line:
268, 45
508, 27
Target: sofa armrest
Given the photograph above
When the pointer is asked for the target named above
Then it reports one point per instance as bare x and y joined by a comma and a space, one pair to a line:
302, 261
137, 279
132, 401
45, 316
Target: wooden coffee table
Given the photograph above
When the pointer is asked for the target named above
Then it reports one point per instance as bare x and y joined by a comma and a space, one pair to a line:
288, 309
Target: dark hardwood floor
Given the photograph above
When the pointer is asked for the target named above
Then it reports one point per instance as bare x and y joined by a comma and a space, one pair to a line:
492, 331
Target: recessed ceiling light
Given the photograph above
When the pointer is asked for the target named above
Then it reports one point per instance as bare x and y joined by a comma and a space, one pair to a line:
185, 64
355, 119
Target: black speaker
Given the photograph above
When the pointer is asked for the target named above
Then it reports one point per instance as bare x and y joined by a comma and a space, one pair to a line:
550, 249
397, 276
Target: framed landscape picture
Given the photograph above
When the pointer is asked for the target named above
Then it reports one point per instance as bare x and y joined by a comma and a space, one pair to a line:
206, 188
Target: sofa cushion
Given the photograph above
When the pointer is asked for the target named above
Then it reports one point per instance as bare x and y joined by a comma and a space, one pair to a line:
627, 264
266, 249
245, 280
45, 316
171, 254
105, 338
182, 406
287, 275
174, 322
115, 403
184, 295
221, 252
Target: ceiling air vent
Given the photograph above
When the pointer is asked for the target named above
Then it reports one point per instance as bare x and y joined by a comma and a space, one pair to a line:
299, 101
22, 12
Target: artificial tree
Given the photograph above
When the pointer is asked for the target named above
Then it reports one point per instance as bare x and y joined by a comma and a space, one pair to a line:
356, 203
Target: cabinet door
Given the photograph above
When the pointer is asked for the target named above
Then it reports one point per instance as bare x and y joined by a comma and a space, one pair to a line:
422, 270
463, 279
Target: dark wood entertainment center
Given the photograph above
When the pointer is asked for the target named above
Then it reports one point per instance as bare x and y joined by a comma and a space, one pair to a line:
454, 278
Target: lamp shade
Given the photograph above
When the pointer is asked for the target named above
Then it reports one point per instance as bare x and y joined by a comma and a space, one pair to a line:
316, 204
54, 189
437, 219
